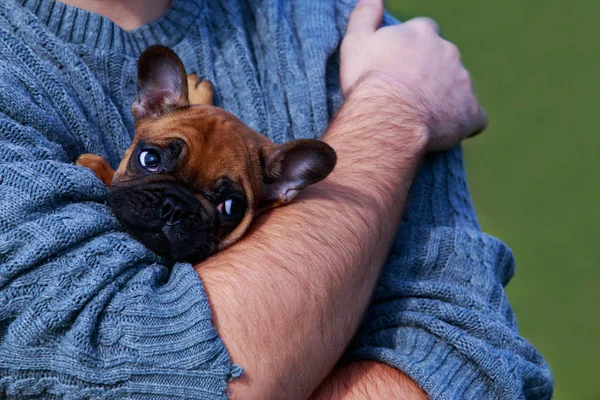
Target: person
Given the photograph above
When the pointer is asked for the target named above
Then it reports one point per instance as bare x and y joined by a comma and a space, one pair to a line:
87, 312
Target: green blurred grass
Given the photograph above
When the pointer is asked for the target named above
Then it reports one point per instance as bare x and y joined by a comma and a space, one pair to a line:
533, 174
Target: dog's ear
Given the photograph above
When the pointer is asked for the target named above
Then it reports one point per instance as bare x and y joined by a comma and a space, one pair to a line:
289, 167
162, 83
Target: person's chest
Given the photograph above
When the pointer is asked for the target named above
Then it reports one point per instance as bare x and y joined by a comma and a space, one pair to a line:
278, 77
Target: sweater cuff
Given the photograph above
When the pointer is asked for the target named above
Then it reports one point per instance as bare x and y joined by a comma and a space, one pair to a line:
132, 329
169, 327
444, 372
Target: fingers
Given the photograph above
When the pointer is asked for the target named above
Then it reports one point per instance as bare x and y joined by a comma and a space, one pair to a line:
366, 16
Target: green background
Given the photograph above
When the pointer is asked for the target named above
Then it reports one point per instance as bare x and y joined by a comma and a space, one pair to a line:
534, 174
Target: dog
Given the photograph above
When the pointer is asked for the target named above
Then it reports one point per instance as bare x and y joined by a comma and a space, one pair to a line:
195, 176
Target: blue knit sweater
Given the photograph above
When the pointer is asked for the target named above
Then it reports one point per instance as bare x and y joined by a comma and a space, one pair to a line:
87, 312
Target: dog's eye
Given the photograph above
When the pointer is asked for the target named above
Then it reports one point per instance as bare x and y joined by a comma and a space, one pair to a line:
232, 207
150, 159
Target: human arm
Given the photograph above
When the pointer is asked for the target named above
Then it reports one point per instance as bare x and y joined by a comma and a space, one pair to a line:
85, 311
440, 313
303, 277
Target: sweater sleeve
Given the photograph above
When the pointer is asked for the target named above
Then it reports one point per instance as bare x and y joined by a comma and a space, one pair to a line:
85, 311
440, 312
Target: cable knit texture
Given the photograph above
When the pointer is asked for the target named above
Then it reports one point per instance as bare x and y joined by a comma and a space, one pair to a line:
87, 313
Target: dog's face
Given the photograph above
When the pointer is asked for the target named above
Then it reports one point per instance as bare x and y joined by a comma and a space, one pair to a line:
195, 175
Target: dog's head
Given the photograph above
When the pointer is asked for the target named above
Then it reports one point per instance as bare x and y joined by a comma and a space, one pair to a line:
195, 176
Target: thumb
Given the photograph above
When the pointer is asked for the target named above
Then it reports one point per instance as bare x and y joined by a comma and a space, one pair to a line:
366, 16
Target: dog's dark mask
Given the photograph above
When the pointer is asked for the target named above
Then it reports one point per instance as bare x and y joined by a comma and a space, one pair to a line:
166, 218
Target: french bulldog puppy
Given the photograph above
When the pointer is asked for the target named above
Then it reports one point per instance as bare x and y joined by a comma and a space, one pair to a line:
195, 176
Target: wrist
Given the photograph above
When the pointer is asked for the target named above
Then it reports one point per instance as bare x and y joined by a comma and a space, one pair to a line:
377, 139
375, 105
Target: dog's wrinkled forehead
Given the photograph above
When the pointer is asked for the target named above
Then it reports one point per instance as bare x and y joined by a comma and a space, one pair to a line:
215, 143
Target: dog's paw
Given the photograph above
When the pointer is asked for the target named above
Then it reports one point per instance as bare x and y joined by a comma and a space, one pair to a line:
199, 92
98, 165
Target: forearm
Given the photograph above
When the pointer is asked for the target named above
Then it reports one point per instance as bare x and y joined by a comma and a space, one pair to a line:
287, 299
368, 380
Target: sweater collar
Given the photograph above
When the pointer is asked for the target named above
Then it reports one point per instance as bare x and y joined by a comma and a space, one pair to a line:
78, 26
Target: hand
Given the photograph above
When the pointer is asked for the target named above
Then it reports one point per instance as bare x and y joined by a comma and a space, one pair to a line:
417, 75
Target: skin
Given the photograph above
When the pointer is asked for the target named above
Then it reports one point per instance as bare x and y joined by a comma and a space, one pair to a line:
287, 299
368, 380
128, 14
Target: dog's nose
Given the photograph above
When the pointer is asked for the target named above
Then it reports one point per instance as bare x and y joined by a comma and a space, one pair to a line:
172, 210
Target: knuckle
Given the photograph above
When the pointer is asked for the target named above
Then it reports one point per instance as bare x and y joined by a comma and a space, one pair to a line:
474, 107
465, 76
453, 50
425, 26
